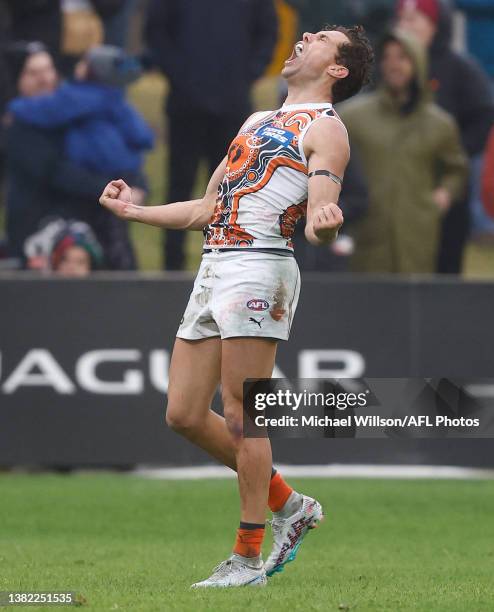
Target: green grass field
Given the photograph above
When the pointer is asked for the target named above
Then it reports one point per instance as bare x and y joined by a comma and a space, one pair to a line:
125, 543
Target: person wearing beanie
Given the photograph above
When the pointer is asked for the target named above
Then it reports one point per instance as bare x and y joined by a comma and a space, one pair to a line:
76, 252
420, 18
68, 248
40, 78
104, 133
109, 65
461, 88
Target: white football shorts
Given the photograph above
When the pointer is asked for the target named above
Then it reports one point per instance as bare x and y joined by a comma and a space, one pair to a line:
239, 294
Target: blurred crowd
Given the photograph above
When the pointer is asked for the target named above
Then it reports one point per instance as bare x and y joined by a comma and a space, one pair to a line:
420, 184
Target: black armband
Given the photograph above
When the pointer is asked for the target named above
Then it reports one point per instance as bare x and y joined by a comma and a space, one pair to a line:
333, 177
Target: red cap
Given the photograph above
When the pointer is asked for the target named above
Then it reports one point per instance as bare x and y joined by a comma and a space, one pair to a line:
428, 7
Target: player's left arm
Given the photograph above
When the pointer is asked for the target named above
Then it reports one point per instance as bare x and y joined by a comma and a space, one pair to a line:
191, 215
328, 152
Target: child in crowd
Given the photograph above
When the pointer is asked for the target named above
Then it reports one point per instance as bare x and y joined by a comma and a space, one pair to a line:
103, 132
66, 248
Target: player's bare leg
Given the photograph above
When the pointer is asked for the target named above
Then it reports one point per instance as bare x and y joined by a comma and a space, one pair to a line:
189, 399
194, 376
189, 413
244, 358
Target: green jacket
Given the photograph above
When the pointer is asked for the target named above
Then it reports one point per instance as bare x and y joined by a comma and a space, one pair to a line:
405, 158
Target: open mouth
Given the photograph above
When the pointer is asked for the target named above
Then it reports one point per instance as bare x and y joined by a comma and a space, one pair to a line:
298, 50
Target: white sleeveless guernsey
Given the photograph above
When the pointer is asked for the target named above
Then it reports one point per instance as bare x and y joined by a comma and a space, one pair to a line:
264, 191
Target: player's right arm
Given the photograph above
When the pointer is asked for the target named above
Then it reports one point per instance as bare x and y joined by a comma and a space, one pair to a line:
191, 215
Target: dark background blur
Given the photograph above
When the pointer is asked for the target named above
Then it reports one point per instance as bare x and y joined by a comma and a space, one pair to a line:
78, 358
171, 36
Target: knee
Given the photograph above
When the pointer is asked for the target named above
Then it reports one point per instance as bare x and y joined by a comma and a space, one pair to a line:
233, 413
180, 420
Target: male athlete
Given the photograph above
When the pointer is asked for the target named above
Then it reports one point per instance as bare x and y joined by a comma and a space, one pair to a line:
282, 166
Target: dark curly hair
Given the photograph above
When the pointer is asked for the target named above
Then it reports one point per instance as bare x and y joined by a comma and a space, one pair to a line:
358, 57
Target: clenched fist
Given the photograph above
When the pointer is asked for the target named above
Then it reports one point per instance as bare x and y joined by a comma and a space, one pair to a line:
117, 198
327, 222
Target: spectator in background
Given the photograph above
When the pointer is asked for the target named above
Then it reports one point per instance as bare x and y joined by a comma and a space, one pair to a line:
413, 162
82, 29
211, 66
480, 31
354, 202
90, 23
67, 248
116, 16
24, 20
488, 177
103, 132
41, 181
463, 90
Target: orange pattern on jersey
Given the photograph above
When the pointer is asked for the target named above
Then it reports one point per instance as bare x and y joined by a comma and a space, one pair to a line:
290, 218
272, 166
254, 156
241, 157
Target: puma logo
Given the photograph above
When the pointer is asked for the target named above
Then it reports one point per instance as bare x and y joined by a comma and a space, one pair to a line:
253, 320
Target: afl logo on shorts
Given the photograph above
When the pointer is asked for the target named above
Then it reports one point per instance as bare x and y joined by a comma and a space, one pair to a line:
258, 305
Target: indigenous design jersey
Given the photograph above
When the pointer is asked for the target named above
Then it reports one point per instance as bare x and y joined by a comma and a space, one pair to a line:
264, 190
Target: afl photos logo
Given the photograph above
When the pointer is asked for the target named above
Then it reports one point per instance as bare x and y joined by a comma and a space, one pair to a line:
258, 305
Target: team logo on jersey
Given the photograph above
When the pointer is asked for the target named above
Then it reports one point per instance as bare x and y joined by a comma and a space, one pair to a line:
258, 305
284, 137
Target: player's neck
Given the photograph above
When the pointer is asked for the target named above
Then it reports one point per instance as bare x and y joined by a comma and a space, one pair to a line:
306, 95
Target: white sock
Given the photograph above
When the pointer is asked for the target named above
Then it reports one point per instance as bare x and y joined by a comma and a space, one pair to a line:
255, 562
292, 505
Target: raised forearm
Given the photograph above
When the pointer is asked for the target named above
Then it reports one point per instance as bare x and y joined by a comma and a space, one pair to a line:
192, 215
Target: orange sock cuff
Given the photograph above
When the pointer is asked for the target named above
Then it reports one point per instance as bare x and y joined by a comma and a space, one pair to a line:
249, 542
279, 492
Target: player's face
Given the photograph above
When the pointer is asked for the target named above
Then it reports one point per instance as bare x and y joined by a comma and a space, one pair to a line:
397, 68
314, 55
39, 75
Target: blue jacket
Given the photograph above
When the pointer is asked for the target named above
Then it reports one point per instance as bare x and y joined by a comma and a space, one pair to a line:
480, 30
103, 132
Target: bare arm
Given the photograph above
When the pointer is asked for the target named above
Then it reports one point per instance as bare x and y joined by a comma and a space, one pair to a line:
326, 147
191, 215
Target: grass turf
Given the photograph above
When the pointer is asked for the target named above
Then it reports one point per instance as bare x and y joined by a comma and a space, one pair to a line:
131, 544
